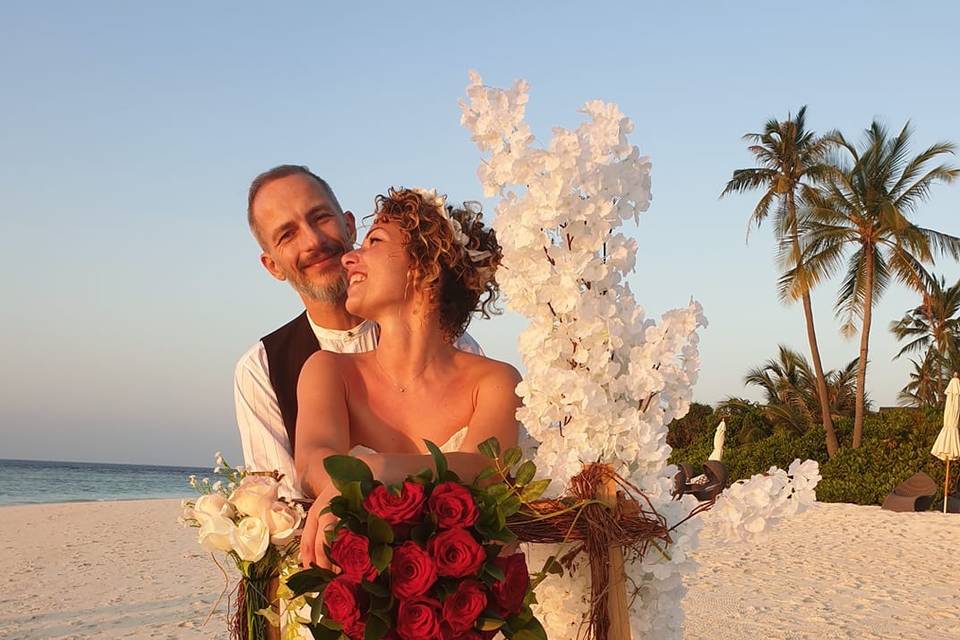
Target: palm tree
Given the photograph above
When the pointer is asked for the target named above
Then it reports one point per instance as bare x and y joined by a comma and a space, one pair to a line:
865, 206
790, 394
934, 325
925, 388
791, 161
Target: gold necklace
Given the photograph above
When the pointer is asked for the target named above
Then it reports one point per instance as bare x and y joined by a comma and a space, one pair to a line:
402, 388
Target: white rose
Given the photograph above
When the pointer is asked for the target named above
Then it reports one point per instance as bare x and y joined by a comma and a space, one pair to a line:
215, 531
213, 504
255, 495
250, 539
282, 521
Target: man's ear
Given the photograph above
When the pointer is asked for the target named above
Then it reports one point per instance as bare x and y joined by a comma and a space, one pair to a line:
351, 227
271, 266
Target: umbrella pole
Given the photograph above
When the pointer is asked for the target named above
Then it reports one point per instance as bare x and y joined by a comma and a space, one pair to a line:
946, 487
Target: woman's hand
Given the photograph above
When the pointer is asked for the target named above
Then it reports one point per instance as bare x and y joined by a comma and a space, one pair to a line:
314, 528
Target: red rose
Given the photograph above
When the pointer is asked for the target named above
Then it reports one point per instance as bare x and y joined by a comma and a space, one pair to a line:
467, 635
462, 607
351, 552
453, 505
355, 629
418, 619
510, 592
396, 509
456, 553
340, 598
412, 571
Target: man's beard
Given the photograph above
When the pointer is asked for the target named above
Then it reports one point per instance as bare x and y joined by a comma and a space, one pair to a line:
333, 291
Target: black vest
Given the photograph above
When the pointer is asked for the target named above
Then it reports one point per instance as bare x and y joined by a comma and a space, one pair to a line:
287, 349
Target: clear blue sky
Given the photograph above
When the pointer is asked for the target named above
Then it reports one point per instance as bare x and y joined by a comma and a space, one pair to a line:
129, 134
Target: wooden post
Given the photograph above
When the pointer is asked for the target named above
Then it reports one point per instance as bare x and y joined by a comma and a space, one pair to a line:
618, 607
273, 633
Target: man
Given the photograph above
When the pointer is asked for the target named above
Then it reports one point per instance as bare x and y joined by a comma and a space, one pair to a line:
302, 232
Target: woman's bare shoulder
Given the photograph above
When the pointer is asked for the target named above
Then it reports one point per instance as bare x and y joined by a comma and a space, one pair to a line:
327, 365
487, 371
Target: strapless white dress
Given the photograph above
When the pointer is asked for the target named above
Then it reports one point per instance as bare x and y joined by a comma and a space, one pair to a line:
451, 445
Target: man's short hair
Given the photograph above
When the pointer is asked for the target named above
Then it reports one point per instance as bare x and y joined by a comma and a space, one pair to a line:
277, 173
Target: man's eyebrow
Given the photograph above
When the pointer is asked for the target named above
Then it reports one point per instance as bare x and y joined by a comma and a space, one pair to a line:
320, 208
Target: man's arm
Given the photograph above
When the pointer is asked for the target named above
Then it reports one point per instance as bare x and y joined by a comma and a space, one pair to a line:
262, 434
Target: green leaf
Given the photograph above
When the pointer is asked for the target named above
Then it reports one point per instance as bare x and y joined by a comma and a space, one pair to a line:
330, 623
488, 472
422, 532
494, 571
512, 456
498, 491
375, 588
310, 580
490, 448
490, 624
439, 460
526, 472
532, 631
425, 476
353, 495
534, 490
379, 530
321, 632
345, 469
510, 506
316, 610
552, 565
376, 627
381, 555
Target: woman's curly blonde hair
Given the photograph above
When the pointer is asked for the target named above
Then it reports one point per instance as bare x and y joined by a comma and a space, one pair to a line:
460, 286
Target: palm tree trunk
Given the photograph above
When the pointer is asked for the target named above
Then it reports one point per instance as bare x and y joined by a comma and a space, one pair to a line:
832, 444
864, 348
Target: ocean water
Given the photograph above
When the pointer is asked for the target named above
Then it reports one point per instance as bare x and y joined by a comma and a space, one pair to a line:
33, 481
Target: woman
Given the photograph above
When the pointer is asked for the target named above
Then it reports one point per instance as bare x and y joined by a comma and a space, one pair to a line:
420, 273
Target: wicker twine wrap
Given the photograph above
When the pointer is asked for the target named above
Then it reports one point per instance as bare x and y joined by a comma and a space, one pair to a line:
628, 526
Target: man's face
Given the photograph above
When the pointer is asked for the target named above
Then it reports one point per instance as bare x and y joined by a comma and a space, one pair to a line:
303, 234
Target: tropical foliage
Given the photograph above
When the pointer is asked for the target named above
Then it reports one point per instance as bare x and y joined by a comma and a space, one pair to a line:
860, 220
790, 401
792, 161
931, 331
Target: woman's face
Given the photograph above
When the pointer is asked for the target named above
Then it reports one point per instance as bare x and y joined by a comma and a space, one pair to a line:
377, 272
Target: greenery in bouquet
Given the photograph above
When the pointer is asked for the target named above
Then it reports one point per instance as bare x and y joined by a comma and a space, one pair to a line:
427, 558
242, 514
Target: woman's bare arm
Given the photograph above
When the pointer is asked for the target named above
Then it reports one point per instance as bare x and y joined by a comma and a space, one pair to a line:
323, 421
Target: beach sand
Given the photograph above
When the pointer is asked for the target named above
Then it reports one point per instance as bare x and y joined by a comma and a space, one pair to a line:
128, 570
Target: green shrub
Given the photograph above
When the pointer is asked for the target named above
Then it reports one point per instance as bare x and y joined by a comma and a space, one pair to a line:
693, 427
896, 445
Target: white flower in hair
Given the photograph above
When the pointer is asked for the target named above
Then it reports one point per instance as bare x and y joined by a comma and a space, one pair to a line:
432, 197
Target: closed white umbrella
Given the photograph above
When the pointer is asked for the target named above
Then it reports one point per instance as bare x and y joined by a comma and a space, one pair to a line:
947, 446
718, 439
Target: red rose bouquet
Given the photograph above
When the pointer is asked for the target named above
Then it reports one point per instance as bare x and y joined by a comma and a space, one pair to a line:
425, 559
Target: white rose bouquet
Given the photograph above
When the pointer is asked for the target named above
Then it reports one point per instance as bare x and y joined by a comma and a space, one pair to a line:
242, 515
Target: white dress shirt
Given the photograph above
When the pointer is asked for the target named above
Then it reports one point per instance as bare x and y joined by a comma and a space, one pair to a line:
263, 435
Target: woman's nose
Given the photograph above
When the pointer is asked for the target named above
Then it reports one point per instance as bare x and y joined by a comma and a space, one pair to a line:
349, 259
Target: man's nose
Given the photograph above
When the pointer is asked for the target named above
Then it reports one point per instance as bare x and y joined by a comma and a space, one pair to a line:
313, 238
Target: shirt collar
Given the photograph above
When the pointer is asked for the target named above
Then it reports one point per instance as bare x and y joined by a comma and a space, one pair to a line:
324, 333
